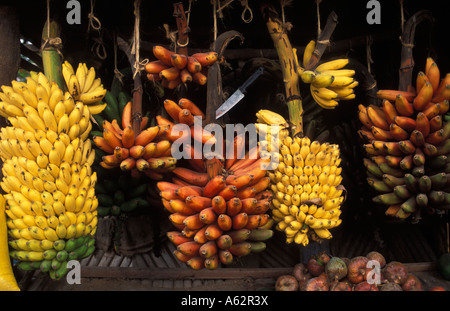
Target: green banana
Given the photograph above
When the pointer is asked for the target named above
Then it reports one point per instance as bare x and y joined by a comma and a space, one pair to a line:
372, 167
436, 197
137, 191
61, 271
260, 234
129, 206
402, 191
103, 210
387, 198
59, 245
257, 246
438, 180
387, 169
105, 199
422, 200
78, 253
424, 183
119, 197
418, 171
379, 185
113, 105
45, 266
393, 181
411, 182
62, 255
438, 162
410, 205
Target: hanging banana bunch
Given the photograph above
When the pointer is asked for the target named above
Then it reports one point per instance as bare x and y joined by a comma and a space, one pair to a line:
47, 176
172, 68
307, 194
329, 82
83, 86
407, 146
217, 218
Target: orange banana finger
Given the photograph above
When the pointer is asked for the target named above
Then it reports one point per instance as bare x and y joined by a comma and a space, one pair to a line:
163, 54
185, 103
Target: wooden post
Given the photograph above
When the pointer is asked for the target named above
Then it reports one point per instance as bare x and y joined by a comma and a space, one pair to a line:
407, 39
10, 48
9, 45
183, 29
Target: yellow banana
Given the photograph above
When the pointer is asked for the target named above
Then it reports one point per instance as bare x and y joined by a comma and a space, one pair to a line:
74, 87
332, 65
96, 108
94, 96
341, 81
90, 77
50, 120
81, 76
308, 76
309, 49
323, 80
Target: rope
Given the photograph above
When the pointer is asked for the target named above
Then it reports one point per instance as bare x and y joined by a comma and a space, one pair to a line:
138, 64
402, 15
117, 73
369, 41
98, 47
215, 3
52, 42
244, 3
286, 26
319, 30
94, 22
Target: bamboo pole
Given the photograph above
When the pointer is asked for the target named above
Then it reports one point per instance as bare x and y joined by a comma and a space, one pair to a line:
287, 62
51, 58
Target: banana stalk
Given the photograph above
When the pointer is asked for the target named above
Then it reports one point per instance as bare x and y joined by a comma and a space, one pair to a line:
51, 59
287, 62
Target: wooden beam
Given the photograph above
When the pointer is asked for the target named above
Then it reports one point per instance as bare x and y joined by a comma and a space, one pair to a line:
217, 274
181, 273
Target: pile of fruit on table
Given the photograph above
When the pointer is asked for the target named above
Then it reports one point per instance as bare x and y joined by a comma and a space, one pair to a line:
371, 272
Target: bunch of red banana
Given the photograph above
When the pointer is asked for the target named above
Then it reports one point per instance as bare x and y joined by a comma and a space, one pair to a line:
186, 112
172, 68
408, 146
147, 152
218, 218
220, 215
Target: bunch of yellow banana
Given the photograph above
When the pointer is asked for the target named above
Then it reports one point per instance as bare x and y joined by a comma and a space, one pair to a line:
83, 86
306, 186
329, 81
49, 186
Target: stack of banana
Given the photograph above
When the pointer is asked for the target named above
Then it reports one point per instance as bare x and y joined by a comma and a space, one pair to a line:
407, 146
307, 194
329, 81
47, 176
172, 68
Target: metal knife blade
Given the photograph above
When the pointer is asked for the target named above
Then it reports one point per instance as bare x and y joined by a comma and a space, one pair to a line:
238, 94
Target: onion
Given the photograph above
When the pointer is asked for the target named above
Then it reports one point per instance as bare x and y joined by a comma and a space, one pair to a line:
357, 268
395, 272
316, 284
300, 271
336, 269
341, 287
391, 287
365, 287
316, 263
412, 283
286, 283
374, 255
